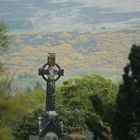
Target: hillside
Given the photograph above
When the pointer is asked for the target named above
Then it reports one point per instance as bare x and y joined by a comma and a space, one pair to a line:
78, 53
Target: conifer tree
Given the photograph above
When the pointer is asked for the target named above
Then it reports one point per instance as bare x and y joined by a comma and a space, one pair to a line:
126, 124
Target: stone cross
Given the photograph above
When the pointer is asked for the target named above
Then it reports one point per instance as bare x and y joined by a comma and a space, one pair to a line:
50, 125
51, 72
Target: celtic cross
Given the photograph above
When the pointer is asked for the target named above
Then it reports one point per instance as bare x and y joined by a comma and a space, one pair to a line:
51, 72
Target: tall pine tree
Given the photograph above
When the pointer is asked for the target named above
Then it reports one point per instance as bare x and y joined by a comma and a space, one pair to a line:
126, 124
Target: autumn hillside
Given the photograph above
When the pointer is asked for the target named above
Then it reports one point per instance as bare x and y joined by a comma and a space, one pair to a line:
78, 53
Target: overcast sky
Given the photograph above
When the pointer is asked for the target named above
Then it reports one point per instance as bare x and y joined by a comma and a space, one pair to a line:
69, 15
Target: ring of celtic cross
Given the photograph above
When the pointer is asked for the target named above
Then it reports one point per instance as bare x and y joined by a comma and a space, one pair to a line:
51, 73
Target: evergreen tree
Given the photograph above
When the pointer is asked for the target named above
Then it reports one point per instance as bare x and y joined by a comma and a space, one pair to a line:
126, 124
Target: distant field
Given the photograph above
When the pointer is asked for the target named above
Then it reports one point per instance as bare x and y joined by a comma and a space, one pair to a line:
78, 53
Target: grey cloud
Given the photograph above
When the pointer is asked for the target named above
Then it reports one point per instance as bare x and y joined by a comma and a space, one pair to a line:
99, 15
64, 15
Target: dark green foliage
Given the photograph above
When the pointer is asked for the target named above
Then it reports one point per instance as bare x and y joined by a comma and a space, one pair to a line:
72, 119
28, 125
98, 127
105, 111
126, 125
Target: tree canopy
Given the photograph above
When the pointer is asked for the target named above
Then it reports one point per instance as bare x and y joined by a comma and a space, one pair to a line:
76, 108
